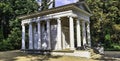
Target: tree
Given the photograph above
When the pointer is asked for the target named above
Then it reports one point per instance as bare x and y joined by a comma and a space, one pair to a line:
5, 15
9, 10
10, 26
105, 22
45, 4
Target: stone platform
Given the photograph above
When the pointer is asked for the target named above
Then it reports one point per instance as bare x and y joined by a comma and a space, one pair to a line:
85, 54
77, 53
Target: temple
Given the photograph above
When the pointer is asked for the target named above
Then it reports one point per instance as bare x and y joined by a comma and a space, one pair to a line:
57, 29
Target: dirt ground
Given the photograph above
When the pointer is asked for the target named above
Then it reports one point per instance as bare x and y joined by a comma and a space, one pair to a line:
16, 55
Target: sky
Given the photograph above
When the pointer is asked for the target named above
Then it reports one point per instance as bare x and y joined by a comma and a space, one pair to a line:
64, 2
61, 2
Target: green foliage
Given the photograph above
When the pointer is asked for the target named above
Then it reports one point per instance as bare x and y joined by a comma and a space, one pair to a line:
15, 38
1, 35
5, 45
5, 15
107, 37
46, 3
105, 22
10, 26
113, 46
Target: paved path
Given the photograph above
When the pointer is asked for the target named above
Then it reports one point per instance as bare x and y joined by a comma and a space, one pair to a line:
115, 54
112, 55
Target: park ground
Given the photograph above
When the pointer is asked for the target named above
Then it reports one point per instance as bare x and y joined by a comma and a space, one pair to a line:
17, 55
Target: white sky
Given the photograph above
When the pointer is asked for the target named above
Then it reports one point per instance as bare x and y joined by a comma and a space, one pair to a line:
64, 2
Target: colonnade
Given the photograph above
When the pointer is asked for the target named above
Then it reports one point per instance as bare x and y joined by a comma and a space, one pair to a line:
82, 33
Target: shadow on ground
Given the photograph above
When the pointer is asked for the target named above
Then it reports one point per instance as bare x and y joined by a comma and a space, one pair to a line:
109, 56
20, 56
17, 55
106, 58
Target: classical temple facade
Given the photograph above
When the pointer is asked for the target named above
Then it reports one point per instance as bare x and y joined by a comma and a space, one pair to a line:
62, 28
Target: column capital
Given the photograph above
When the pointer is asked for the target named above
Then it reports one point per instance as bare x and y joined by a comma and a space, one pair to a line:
30, 23
79, 18
58, 18
38, 19
70, 16
22, 24
83, 21
47, 20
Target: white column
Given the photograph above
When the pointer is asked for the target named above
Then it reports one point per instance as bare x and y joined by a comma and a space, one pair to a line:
42, 34
43, 27
88, 34
39, 35
84, 32
78, 33
59, 46
23, 36
34, 36
63, 41
48, 34
71, 25
30, 36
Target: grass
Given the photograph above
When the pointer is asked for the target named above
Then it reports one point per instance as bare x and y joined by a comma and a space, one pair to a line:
16, 55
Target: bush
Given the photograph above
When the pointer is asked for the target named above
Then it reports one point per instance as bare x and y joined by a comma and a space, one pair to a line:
12, 42
113, 47
5, 45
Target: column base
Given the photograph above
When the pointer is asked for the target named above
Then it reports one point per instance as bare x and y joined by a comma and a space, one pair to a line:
30, 48
72, 48
79, 48
59, 49
49, 49
22, 48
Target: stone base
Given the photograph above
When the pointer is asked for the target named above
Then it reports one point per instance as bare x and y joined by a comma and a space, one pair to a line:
85, 54
77, 53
